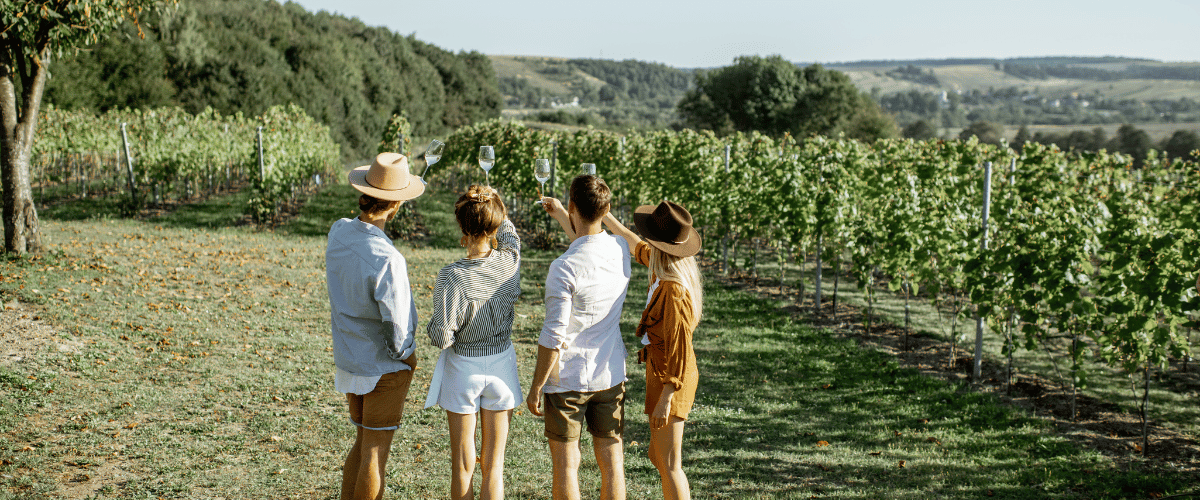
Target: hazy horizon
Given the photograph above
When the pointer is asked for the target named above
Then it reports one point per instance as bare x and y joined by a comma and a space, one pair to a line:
705, 33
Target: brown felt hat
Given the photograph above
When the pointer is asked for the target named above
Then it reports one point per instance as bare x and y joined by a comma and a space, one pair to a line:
668, 227
388, 178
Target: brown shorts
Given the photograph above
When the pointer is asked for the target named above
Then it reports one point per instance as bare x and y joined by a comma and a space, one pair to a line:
381, 409
603, 410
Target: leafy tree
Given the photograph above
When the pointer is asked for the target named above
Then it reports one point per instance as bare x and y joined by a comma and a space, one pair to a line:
1134, 142
1021, 138
774, 96
920, 130
31, 35
1181, 144
987, 132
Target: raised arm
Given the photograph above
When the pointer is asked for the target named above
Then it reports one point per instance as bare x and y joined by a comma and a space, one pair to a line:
556, 210
619, 229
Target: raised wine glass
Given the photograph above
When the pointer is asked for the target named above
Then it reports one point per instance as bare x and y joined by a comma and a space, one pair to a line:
541, 172
487, 158
433, 153
589, 168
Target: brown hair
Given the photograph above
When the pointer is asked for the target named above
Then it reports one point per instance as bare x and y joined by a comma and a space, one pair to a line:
479, 211
373, 206
591, 197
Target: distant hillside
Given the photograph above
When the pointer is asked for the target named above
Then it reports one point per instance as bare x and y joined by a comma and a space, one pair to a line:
618, 94
247, 55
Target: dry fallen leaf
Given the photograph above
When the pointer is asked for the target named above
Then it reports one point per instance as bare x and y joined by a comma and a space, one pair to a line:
901, 464
875, 453
822, 443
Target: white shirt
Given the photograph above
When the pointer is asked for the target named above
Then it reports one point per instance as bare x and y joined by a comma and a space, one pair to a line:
585, 290
373, 316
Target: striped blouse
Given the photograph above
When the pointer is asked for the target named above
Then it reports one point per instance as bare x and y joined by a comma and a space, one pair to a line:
473, 299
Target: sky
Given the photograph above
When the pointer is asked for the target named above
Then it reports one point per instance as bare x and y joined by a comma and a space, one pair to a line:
706, 33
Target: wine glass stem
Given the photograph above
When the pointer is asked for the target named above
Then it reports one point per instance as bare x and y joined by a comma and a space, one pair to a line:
487, 178
427, 165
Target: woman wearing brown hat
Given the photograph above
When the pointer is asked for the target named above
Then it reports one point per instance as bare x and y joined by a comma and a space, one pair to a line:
674, 305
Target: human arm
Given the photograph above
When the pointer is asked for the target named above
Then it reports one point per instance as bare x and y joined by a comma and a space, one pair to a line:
556, 210
662, 410
619, 229
507, 238
397, 311
448, 311
554, 336
546, 360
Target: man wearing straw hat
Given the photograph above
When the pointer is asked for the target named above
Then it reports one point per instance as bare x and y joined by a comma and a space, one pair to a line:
373, 318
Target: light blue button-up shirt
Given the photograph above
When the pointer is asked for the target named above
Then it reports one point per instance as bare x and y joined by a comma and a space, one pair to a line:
372, 311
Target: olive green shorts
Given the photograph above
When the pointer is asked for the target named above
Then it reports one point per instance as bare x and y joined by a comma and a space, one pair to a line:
566, 412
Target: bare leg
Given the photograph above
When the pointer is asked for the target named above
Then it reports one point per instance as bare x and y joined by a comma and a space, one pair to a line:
462, 454
372, 455
495, 438
610, 456
350, 467
565, 456
666, 452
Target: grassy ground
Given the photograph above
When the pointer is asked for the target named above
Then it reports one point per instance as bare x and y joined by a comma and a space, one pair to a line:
205, 372
1172, 392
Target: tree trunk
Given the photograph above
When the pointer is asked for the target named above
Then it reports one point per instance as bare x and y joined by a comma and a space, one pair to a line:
18, 123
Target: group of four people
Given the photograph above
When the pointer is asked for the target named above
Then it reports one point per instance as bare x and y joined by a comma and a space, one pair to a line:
580, 375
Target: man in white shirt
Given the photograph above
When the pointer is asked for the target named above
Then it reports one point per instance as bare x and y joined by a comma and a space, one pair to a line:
580, 374
373, 319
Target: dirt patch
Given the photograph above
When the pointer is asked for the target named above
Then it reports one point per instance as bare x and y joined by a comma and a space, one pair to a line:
85, 479
25, 337
1098, 424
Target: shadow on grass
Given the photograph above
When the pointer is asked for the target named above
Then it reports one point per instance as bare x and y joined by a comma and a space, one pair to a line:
787, 411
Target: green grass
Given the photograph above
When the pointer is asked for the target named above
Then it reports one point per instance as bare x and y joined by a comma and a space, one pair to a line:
206, 372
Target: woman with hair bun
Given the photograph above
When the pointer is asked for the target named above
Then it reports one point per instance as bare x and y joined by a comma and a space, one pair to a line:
472, 324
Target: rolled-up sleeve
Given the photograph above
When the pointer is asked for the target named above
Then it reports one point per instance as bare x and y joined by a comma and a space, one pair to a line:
397, 309
560, 289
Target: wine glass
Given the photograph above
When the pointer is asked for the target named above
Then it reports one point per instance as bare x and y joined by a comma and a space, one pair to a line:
541, 172
433, 153
589, 168
487, 158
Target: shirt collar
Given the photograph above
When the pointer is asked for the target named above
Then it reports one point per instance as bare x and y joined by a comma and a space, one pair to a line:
369, 228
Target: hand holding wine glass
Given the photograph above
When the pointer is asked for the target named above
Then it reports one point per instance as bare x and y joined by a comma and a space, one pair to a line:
433, 153
487, 158
541, 172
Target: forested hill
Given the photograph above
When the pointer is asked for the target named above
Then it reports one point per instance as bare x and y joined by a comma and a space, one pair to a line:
247, 55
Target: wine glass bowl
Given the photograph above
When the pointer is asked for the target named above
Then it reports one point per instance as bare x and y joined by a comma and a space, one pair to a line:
487, 159
541, 172
588, 168
433, 153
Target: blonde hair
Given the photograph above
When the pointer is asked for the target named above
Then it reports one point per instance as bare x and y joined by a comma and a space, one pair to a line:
682, 270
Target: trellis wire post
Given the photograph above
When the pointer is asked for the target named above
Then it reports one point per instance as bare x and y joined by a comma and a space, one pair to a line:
725, 240
262, 172
1012, 313
977, 369
553, 166
128, 163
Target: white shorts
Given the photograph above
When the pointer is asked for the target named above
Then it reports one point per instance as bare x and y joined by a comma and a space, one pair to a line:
488, 382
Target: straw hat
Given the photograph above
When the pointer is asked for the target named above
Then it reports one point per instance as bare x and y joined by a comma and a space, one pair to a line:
388, 178
668, 227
